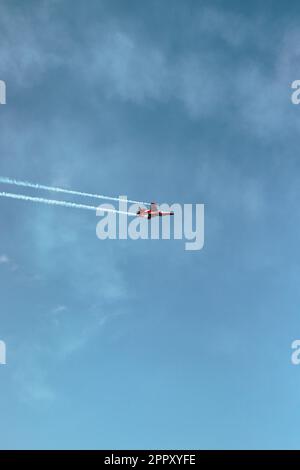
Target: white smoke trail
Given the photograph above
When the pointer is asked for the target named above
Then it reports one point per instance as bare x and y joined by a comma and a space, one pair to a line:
26, 184
53, 202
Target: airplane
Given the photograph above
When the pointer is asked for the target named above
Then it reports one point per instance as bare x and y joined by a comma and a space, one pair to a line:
152, 212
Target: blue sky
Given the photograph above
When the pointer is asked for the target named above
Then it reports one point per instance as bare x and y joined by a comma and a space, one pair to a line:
141, 344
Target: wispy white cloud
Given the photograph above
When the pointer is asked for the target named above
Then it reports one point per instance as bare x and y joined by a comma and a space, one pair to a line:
117, 61
28, 44
133, 69
59, 309
4, 259
127, 68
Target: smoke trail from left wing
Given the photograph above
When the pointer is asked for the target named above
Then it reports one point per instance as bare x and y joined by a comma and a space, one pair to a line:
26, 184
53, 202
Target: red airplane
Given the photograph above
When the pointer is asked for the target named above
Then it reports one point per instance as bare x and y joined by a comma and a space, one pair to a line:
152, 212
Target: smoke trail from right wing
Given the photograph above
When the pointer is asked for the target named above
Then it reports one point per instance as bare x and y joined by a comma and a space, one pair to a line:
26, 184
